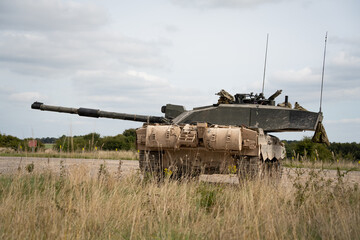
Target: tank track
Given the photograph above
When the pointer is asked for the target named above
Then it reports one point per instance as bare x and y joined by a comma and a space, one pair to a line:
254, 167
248, 168
150, 162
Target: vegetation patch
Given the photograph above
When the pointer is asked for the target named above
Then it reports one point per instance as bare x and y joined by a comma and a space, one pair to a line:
75, 206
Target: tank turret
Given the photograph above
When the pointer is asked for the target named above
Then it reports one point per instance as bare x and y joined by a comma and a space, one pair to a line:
253, 111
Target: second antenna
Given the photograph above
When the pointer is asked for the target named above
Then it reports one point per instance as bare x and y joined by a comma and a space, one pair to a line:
267, 41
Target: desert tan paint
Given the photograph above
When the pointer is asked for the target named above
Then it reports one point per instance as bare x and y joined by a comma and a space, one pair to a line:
235, 140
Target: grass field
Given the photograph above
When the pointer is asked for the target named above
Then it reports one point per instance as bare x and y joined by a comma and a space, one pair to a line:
112, 155
345, 165
72, 205
49, 145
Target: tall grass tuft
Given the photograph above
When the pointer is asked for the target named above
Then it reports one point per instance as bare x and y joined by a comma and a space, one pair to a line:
77, 206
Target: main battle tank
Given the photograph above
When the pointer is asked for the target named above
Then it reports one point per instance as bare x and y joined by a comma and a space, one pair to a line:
227, 137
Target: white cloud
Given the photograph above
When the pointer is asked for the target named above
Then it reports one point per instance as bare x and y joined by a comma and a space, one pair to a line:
344, 59
171, 28
133, 91
49, 54
147, 77
27, 97
50, 15
108, 88
112, 99
223, 3
305, 75
118, 80
341, 79
342, 73
342, 93
340, 83
344, 121
345, 41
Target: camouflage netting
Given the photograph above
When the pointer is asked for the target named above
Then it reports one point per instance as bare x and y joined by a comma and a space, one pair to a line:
320, 135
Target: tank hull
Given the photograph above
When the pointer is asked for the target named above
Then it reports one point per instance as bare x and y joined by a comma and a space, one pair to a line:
188, 149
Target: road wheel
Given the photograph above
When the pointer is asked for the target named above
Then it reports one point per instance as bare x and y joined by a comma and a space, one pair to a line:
250, 168
151, 163
272, 168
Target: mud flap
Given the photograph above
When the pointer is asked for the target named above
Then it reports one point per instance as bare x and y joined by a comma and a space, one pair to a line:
320, 135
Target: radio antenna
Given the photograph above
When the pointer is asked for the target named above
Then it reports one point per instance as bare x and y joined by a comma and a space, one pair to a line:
323, 70
267, 40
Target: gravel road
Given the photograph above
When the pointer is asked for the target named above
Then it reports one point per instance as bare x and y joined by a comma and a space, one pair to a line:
10, 165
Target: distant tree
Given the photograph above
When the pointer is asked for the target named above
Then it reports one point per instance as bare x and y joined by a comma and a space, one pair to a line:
9, 141
130, 135
118, 142
349, 151
77, 143
131, 132
49, 140
307, 148
89, 142
125, 141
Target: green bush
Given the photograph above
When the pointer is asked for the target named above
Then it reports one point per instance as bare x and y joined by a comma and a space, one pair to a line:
93, 141
308, 149
346, 151
8, 141
87, 142
349, 151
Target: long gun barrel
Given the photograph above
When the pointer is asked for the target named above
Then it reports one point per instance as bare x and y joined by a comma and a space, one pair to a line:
96, 113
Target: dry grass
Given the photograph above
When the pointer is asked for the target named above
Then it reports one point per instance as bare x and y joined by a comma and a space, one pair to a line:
77, 206
333, 165
99, 154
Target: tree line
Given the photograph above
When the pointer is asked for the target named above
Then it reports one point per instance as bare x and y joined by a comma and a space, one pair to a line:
8, 141
93, 141
316, 151
88, 142
127, 141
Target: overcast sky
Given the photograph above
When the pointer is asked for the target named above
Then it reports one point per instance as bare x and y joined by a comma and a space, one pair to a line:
135, 56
